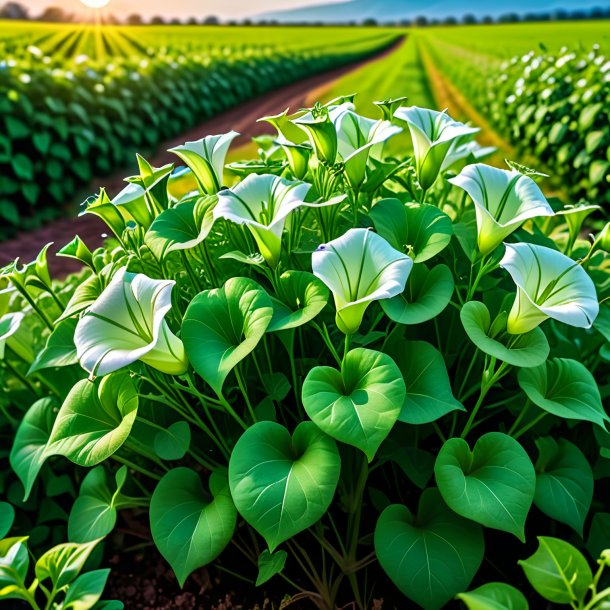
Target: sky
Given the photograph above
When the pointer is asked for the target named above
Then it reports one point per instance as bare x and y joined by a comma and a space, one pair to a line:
225, 9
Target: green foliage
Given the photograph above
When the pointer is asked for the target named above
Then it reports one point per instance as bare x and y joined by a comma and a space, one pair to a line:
266, 428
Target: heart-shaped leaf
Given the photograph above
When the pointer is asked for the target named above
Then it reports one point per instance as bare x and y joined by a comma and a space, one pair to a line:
564, 482
430, 556
222, 326
27, 455
358, 405
429, 393
283, 485
558, 571
426, 295
419, 229
564, 388
525, 350
94, 513
493, 485
301, 297
94, 420
494, 596
7, 517
183, 226
59, 350
173, 442
189, 527
270, 564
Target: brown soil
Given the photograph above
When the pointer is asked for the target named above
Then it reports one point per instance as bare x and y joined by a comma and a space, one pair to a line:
242, 118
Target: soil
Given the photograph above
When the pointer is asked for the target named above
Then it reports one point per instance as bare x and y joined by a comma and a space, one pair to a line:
242, 119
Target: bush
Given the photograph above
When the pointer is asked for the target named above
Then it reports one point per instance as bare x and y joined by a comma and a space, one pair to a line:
396, 365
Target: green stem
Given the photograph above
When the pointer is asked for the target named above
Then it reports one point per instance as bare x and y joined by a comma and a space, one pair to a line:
520, 417
136, 467
527, 427
242, 387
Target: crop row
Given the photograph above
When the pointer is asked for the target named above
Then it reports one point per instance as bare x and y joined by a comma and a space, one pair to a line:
552, 107
64, 124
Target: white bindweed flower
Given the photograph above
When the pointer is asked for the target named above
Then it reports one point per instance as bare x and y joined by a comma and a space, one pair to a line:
360, 267
127, 323
503, 201
206, 158
468, 150
359, 138
433, 134
549, 285
263, 203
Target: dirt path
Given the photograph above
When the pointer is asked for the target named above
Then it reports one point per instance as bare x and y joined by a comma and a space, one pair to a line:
241, 118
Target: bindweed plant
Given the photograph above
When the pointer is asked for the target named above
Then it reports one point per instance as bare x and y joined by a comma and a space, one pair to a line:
334, 369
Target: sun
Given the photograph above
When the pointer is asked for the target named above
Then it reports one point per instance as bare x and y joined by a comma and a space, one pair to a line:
95, 3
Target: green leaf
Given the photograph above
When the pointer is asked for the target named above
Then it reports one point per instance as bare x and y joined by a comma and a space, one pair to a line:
94, 420
599, 534
14, 562
222, 326
493, 485
59, 349
564, 388
63, 563
181, 227
301, 297
86, 590
430, 556
23, 167
283, 485
7, 517
558, 571
173, 443
429, 393
525, 350
270, 564
93, 514
27, 455
494, 596
358, 405
564, 482
426, 295
190, 527
420, 230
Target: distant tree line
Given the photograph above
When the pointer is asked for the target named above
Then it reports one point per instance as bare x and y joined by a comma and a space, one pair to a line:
16, 10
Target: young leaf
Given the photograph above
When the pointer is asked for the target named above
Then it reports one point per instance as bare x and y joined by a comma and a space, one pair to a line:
95, 420
63, 563
93, 514
564, 388
173, 443
86, 590
429, 394
426, 295
14, 562
59, 349
283, 485
27, 455
493, 484
527, 350
358, 405
494, 596
558, 571
190, 527
423, 230
564, 482
270, 564
430, 556
222, 326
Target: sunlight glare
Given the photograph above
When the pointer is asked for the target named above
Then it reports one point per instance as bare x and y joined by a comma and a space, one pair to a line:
95, 3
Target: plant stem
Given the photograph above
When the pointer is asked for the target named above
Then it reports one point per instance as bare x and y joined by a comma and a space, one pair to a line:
525, 428
136, 467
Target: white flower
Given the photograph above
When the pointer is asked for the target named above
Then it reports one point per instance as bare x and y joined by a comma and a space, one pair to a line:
127, 323
503, 200
433, 133
359, 138
360, 267
262, 203
549, 285
206, 158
